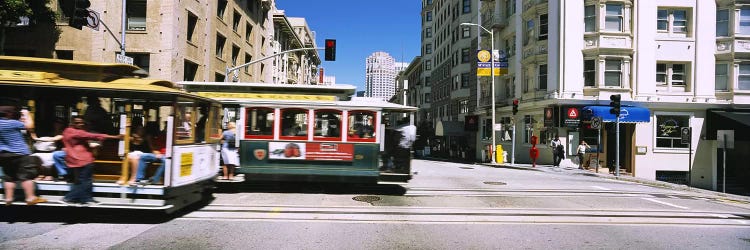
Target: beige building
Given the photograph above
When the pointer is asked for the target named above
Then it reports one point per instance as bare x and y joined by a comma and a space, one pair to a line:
176, 40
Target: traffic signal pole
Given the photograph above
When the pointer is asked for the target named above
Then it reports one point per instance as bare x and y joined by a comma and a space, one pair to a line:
230, 70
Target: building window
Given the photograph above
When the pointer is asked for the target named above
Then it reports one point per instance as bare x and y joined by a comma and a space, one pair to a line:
64, 54
543, 27
722, 22
671, 21
464, 80
235, 54
614, 18
745, 21
236, 21
218, 77
427, 81
612, 73
743, 82
428, 48
465, 32
428, 65
668, 74
467, 6
668, 130
464, 55
543, 77
511, 7
248, 59
136, 15
589, 18
589, 73
722, 77
189, 71
220, 40
220, 9
428, 16
428, 32
192, 21
463, 106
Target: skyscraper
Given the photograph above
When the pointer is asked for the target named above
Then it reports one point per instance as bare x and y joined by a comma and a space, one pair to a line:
380, 77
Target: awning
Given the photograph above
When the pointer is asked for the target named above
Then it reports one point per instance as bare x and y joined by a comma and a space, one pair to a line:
628, 114
449, 128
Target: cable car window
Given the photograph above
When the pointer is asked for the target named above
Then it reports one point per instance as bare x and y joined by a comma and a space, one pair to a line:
259, 121
294, 123
328, 123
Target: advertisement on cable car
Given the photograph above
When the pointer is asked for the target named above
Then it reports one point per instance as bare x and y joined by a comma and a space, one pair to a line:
192, 163
323, 151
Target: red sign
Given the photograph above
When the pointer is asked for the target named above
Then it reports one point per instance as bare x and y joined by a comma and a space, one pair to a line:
329, 152
573, 113
320, 77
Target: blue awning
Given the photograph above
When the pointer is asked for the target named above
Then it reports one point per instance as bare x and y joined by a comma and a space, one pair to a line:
628, 114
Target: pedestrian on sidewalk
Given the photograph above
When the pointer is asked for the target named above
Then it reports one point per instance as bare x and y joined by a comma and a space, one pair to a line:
581, 152
560, 151
555, 153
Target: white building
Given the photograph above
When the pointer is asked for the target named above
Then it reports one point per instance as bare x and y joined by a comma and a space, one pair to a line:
568, 57
380, 76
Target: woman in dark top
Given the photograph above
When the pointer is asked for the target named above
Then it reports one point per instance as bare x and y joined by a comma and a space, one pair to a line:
139, 143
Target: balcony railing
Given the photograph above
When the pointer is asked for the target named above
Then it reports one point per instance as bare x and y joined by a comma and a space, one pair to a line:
493, 19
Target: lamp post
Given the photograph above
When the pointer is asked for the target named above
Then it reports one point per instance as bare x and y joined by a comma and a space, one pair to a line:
492, 88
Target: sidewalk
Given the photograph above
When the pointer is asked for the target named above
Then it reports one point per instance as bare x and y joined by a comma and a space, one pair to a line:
623, 177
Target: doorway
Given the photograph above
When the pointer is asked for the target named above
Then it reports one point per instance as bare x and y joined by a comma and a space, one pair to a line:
627, 132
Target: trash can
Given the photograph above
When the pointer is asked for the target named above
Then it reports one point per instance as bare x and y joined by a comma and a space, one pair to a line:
499, 154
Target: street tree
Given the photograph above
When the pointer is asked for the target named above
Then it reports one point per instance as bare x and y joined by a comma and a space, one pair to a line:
18, 14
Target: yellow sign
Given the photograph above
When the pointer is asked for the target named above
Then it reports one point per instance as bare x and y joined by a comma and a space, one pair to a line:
186, 164
484, 56
267, 96
488, 72
26, 75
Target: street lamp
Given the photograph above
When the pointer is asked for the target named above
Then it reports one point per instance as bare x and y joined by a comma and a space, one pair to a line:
492, 88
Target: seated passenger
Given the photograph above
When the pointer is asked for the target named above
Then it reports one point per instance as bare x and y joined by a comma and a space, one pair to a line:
160, 143
140, 144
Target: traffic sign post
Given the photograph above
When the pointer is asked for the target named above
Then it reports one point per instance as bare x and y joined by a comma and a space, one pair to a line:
725, 139
596, 123
685, 134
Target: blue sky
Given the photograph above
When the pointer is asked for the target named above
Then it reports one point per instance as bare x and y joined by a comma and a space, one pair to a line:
360, 28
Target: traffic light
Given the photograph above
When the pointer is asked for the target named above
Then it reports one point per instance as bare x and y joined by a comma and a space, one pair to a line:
615, 104
80, 14
515, 106
330, 49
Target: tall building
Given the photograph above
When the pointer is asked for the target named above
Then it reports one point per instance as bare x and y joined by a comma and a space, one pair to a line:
380, 76
184, 40
449, 74
567, 58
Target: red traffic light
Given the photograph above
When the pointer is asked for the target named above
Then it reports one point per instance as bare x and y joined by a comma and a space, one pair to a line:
330, 50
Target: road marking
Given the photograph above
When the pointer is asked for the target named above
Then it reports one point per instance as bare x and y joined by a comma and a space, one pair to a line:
602, 188
665, 203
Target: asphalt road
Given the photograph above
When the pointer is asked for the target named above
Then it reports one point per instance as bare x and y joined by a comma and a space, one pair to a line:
445, 206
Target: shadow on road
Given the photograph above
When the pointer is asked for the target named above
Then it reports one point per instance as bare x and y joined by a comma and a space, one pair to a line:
310, 188
76, 215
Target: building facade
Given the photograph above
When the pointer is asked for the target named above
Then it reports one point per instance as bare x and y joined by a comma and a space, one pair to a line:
380, 76
184, 40
567, 58
449, 74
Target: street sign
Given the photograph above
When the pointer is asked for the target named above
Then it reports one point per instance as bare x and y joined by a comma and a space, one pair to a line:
572, 113
725, 138
120, 58
596, 122
685, 133
92, 21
